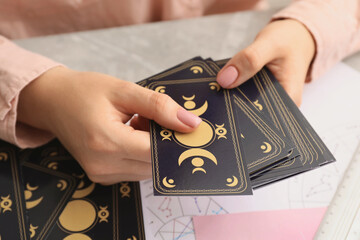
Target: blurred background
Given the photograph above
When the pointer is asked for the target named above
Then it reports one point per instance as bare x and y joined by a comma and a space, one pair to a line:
278, 3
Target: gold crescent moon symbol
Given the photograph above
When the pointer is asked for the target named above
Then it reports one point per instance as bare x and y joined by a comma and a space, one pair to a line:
53, 165
30, 188
196, 69
214, 86
84, 192
3, 156
266, 147
77, 236
160, 89
189, 98
168, 183
200, 110
232, 182
32, 230
196, 152
32, 204
62, 184
132, 238
198, 169
81, 184
258, 105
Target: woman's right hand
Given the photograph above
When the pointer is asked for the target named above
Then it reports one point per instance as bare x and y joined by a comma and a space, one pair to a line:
88, 113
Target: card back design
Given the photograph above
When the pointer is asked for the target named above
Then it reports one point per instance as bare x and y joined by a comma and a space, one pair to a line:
208, 161
12, 203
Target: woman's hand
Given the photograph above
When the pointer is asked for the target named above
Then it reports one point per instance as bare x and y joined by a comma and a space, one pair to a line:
286, 47
88, 112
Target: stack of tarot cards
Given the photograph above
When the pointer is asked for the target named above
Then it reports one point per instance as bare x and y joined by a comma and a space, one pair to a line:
45, 194
250, 136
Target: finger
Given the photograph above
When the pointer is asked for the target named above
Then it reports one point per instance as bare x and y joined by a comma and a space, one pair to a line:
292, 77
155, 106
135, 171
135, 145
246, 63
294, 89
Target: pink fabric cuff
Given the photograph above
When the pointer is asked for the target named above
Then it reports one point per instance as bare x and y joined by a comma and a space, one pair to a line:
333, 28
18, 67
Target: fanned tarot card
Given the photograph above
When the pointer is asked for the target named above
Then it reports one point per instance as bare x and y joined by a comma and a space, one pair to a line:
13, 224
208, 161
94, 211
46, 194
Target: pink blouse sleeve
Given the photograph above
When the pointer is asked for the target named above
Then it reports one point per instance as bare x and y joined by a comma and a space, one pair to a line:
335, 26
18, 68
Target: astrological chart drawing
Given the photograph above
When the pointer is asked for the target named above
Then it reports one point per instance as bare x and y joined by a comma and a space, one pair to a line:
315, 188
170, 218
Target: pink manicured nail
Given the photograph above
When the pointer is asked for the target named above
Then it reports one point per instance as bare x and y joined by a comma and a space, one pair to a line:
228, 76
188, 118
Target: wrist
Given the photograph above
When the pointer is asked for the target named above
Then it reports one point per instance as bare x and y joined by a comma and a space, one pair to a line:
301, 38
37, 101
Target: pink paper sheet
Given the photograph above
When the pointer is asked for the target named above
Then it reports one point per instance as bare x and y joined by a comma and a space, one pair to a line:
297, 224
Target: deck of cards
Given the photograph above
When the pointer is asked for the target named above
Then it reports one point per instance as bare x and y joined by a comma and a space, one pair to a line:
250, 136
45, 194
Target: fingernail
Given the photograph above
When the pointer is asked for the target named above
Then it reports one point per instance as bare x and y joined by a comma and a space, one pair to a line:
188, 118
228, 76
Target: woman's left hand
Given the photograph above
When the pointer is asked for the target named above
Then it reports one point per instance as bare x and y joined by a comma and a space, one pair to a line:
286, 47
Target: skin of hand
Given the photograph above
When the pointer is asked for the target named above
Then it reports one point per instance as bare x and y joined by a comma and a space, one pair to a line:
286, 47
88, 112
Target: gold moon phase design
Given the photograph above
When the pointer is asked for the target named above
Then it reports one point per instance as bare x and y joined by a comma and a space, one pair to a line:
103, 214
32, 230
201, 110
77, 236
196, 152
196, 69
81, 193
78, 216
81, 184
53, 165
266, 147
166, 134
5, 204
62, 184
30, 188
202, 135
34, 203
232, 182
168, 183
198, 169
189, 105
160, 89
258, 105
189, 98
198, 163
3, 156
214, 86
132, 238
220, 131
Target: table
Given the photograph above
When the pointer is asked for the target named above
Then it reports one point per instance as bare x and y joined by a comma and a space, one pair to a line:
136, 52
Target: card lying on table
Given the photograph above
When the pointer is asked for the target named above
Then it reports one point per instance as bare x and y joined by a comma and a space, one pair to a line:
93, 211
265, 127
12, 202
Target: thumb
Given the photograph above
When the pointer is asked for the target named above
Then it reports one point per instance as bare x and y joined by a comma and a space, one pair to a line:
246, 64
159, 107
